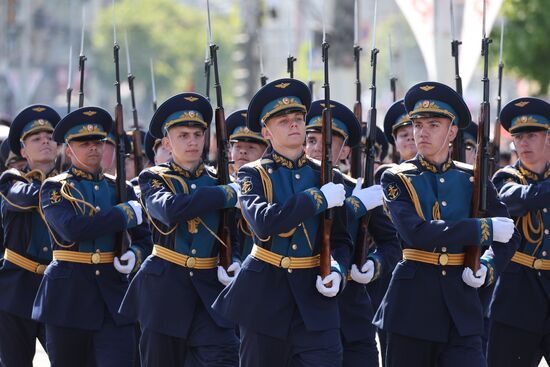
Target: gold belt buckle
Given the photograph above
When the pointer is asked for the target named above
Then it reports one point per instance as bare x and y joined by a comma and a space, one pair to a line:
40, 269
96, 258
285, 262
443, 259
191, 262
537, 264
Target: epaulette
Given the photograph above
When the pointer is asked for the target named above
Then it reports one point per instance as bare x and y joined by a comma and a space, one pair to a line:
13, 174
381, 169
157, 170
59, 178
464, 166
212, 171
509, 170
403, 167
258, 162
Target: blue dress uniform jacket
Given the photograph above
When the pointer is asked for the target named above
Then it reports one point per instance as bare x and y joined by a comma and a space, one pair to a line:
356, 308
430, 208
25, 234
83, 216
281, 201
184, 209
522, 294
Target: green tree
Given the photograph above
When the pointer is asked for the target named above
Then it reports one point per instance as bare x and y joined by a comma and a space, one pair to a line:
171, 33
526, 45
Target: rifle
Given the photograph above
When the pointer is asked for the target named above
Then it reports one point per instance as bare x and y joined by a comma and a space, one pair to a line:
495, 146
361, 244
136, 135
153, 87
310, 83
355, 161
121, 193
393, 78
222, 155
481, 167
290, 59
326, 163
70, 80
82, 61
459, 152
207, 65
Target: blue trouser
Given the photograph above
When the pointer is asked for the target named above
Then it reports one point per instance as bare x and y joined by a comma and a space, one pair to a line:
512, 347
207, 345
361, 352
18, 340
301, 348
458, 351
110, 346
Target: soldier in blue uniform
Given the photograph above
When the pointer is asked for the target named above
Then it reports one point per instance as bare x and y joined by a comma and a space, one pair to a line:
356, 309
246, 146
286, 312
520, 308
431, 312
83, 287
172, 293
399, 132
155, 152
27, 244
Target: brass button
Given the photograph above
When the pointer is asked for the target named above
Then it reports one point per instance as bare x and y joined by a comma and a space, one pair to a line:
544, 253
442, 180
191, 262
190, 273
96, 187
289, 270
285, 262
40, 269
45, 248
443, 259
193, 186
97, 208
96, 258
443, 272
472, 179
297, 176
537, 264
546, 231
539, 274
444, 203
270, 170
294, 247
194, 251
545, 210
444, 249
97, 272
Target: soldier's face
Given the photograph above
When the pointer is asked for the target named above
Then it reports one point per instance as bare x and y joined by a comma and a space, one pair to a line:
162, 154
433, 135
186, 144
39, 148
532, 147
108, 163
286, 131
404, 142
471, 151
86, 155
243, 152
314, 147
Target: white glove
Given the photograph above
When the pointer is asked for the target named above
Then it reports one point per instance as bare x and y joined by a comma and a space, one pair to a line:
365, 275
335, 194
474, 282
503, 229
136, 207
371, 196
130, 258
333, 277
235, 186
224, 278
